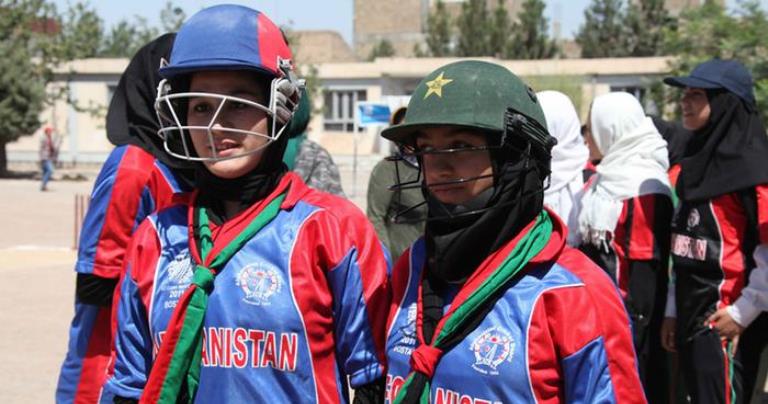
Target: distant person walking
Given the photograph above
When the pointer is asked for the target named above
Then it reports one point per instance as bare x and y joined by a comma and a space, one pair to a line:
48, 153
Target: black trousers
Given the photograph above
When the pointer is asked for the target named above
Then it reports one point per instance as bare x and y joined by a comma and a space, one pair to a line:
715, 372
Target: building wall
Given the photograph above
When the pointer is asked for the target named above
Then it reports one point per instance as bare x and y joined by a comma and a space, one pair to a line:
389, 80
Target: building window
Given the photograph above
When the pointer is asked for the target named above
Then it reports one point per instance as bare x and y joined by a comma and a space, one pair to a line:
339, 109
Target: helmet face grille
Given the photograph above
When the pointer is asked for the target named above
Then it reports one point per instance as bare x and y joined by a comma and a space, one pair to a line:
215, 122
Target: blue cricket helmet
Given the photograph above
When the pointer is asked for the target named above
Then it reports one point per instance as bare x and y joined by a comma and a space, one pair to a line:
228, 37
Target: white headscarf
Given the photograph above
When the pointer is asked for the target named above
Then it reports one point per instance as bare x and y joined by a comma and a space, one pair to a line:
634, 163
569, 156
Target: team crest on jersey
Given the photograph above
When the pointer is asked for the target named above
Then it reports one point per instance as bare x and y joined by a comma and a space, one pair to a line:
407, 341
494, 346
259, 282
180, 268
693, 218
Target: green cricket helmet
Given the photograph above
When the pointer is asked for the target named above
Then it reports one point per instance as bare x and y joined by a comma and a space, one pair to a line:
474, 94
486, 98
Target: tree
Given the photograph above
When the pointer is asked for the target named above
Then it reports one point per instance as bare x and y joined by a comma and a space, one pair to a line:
82, 32
645, 22
438, 31
473, 34
500, 31
172, 18
26, 29
126, 38
602, 34
708, 31
382, 49
531, 40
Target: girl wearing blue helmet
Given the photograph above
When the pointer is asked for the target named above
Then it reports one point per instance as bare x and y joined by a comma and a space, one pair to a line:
260, 288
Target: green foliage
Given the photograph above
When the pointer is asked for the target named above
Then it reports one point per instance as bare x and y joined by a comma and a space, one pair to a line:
709, 31
125, 38
531, 40
82, 31
473, 34
438, 32
171, 18
26, 48
382, 49
603, 33
646, 22
500, 31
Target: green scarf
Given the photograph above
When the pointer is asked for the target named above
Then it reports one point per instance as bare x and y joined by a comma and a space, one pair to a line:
178, 360
425, 358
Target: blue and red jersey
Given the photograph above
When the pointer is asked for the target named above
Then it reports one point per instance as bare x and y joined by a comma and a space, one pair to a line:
296, 311
131, 185
559, 333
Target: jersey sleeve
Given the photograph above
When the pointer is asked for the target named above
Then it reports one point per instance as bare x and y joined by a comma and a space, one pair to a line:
133, 345
119, 201
754, 297
647, 228
592, 352
357, 278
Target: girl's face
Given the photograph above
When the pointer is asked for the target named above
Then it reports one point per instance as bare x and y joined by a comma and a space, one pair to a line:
594, 152
695, 106
232, 115
440, 168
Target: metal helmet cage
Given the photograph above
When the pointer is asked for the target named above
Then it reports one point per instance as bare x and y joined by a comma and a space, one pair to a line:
176, 132
523, 136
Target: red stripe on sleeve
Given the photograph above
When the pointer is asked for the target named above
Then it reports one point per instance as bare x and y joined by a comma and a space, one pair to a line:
611, 321
93, 374
642, 240
543, 360
120, 217
732, 222
762, 212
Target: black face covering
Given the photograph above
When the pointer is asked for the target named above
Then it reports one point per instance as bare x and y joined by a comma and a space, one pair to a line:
246, 189
728, 154
456, 246
131, 118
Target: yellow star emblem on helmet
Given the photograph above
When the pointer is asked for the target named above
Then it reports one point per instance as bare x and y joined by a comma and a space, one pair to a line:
436, 86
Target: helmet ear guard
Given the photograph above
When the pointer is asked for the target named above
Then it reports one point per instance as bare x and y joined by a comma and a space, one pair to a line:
529, 137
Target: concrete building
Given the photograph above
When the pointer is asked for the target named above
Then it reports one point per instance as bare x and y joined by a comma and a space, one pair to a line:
389, 80
402, 23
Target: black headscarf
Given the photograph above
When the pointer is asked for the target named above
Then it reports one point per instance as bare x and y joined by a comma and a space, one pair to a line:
728, 154
131, 118
677, 138
456, 246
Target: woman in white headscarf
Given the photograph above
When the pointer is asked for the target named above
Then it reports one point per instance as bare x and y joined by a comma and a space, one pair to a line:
569, 158
625, 218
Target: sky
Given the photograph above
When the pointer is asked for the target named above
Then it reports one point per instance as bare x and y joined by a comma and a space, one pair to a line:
308, 14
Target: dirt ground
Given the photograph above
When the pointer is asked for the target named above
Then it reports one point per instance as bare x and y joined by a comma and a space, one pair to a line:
37, 288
